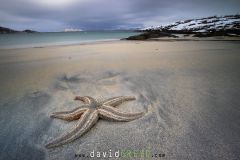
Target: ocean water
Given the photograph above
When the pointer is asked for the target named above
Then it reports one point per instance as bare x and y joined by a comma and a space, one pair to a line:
23, 40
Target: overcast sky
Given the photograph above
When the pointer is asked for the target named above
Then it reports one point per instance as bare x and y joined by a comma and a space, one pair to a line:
56, 15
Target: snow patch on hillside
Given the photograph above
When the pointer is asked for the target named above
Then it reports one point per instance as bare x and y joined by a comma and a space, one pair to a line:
203, 24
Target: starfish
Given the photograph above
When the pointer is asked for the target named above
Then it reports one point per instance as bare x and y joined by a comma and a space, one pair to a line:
88, 115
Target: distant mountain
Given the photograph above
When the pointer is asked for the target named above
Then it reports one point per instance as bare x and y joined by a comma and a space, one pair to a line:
28, 31
203, 27
4, 30
208, 24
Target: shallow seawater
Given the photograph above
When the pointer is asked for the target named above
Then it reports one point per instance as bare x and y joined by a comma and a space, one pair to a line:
22, 40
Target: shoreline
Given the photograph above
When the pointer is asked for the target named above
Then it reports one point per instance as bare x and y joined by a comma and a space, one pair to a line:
236, 39
59, 44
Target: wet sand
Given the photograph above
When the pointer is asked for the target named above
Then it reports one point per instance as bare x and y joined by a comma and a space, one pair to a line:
189, 90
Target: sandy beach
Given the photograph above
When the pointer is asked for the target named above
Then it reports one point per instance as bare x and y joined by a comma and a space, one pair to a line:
189, 90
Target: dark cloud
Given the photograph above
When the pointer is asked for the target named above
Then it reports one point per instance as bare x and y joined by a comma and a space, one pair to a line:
106, 14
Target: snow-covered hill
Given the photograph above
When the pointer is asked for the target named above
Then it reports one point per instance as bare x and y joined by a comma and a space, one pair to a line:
229, 22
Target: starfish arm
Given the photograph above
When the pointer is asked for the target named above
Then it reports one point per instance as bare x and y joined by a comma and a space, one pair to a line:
71, 111
85, 100
110, 113
87, 120
69, 115
118, 100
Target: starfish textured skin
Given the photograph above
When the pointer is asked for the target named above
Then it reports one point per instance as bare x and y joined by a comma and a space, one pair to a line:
88, 115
